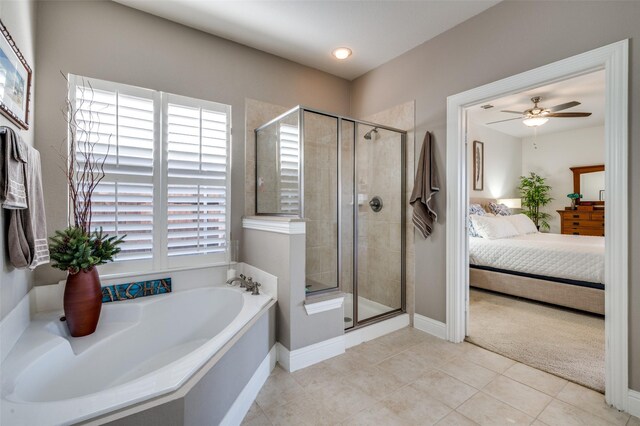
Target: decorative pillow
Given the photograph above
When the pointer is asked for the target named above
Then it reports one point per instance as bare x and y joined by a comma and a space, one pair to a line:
477, 210
523, 224
499, 209
493, 228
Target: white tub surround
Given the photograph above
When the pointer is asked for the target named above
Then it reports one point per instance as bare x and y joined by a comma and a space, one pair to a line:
143, 348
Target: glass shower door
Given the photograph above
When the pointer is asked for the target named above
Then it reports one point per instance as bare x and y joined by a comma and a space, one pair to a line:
379, 167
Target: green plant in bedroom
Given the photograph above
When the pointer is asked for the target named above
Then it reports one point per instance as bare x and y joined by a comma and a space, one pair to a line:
535, 194
77, 249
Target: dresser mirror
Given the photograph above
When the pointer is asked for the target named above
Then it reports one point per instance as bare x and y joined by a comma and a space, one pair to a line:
589, 181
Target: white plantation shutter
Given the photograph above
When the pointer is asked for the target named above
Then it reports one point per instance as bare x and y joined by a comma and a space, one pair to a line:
197, 176
289, 169
119, 122
167, 166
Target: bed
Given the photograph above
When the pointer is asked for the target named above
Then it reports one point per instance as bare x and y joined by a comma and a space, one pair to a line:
565, 270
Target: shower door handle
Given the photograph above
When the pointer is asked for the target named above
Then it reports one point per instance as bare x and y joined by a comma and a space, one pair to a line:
376, 204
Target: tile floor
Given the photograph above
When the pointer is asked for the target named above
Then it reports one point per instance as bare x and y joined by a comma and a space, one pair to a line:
411, 378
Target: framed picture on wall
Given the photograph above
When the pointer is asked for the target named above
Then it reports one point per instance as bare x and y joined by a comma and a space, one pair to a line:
15, 81
478, 165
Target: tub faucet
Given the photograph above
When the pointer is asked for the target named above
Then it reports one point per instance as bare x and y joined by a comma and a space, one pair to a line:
243, 280
253, 286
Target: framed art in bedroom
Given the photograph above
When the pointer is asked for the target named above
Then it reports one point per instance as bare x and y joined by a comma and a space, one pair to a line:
15, 81
478, 166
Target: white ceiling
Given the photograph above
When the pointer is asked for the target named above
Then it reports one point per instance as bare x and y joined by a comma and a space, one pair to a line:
587, 89
307, 31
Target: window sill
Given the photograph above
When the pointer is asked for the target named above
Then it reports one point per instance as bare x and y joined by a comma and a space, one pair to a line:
144, 273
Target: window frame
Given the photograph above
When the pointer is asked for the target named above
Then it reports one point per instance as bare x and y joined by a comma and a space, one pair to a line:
160, 259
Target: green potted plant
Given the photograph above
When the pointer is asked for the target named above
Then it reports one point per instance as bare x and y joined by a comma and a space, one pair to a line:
77, 249
574, 197
535, 194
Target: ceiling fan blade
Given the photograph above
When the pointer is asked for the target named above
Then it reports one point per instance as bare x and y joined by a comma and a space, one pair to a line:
569, 114
508, 119
512, 112
564, 106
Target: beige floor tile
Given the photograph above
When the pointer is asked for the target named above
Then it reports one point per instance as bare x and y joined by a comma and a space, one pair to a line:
374, 381
406, 366
444, 388
488, 359
538, 423
592, 402
415, 406
375, 416
346, 363
340, 400
468, 372
456, 419
517, 395
279, 389
560, 413
404, 338
485, 410
301, 410
544, 382
431, 355
314, 375
373, 352
633, 421
254, 411
259, 420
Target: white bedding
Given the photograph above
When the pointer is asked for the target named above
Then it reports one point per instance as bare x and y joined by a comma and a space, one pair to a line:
573, 257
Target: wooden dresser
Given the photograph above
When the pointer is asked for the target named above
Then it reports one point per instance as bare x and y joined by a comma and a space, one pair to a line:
582, 222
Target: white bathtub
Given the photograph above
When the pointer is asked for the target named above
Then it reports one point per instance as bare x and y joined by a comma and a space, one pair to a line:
142, 348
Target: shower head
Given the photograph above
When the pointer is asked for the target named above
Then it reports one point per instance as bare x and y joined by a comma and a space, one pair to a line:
369, 134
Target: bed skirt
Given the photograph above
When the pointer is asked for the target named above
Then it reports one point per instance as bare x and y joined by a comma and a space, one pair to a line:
567, 295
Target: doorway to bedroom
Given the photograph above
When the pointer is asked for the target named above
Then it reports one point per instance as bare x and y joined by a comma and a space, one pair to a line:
613, 59
536, 228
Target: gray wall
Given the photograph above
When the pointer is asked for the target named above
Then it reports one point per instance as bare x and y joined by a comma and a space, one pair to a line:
109, 41
507, 39
20, 19
284, 256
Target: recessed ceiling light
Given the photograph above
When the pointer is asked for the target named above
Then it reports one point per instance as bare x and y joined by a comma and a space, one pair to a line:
341, 53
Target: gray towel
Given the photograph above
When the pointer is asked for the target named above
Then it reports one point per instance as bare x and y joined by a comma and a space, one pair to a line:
12, 170
27, 236
425, 187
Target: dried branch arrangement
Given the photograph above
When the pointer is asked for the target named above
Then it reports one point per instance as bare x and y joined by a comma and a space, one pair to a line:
78, 248
85, 169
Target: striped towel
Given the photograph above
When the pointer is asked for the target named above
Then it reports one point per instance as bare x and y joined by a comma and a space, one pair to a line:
425, 187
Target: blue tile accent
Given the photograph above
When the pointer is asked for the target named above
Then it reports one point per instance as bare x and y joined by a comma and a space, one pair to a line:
116, 292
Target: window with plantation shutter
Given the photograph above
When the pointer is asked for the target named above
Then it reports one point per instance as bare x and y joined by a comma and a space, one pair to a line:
289, 169
166, 168
197, 169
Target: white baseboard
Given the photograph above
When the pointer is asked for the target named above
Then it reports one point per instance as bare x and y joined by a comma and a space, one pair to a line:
309, 355
633, 403
243, 402
373, 331
431, 326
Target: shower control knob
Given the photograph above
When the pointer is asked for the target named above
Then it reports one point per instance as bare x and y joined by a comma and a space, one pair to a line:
376, 204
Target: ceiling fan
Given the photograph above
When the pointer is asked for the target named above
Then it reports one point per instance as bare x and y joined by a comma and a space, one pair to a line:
538, 115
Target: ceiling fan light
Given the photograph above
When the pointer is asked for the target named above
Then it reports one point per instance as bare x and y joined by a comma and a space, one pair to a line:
535, 121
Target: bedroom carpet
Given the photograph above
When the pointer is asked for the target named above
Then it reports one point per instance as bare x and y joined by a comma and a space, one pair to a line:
559, 341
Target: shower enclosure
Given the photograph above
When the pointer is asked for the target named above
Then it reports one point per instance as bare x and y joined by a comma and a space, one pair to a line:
345, 178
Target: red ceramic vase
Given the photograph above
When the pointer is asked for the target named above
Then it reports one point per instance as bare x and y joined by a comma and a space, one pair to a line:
82, 302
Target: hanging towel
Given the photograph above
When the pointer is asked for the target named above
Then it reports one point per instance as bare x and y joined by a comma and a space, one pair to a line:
12, 170
27, 236
425, 187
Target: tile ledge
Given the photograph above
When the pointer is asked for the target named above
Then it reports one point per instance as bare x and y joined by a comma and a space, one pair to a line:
325, 302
